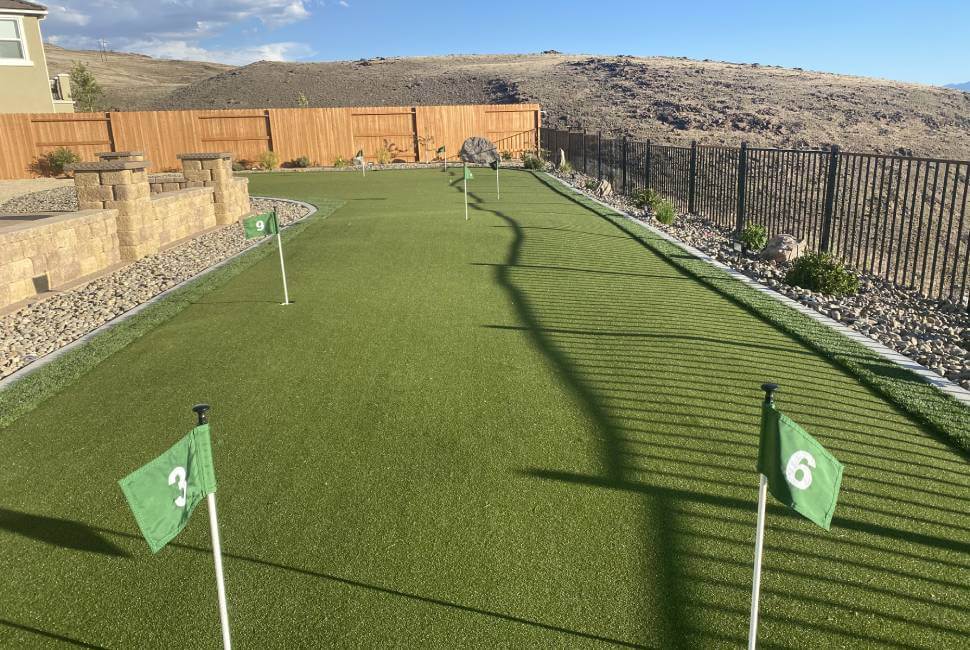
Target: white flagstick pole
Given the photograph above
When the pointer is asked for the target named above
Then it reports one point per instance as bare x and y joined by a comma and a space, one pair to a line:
758, 548
464, 179
498, 189
202, 412
279, 243
220, 580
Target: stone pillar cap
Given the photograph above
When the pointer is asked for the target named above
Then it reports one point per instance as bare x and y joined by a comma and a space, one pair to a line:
119, 154
205, 155
107, 166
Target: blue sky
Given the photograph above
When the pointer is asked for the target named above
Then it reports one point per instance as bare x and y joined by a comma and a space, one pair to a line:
926, 42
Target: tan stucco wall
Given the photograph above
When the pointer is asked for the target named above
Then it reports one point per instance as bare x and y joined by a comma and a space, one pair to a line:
26, 88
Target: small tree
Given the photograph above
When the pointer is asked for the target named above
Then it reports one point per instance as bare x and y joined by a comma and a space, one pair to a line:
86, 90
302, 101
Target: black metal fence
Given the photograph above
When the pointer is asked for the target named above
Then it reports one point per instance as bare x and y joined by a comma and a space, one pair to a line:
898, 217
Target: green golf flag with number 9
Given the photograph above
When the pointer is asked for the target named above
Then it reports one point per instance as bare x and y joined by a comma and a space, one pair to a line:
800, 472
261, 225
163, 493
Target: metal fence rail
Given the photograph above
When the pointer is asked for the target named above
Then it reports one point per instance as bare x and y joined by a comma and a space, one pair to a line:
897, 217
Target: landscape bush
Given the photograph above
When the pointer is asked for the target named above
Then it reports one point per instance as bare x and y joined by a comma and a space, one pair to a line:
269, 160
646, 197
300, 162
591, 184
506, 155
565, 167
531, 161
383, 155
53, 162
664, 212
824, 273
754, 236
340, 161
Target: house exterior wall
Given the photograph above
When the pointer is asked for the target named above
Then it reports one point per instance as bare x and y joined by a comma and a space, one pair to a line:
26, 88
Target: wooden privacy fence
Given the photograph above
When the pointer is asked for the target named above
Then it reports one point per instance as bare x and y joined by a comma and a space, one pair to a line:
409, 133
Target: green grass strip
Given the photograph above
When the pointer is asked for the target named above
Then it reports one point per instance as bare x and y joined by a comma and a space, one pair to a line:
944, 415
23, 395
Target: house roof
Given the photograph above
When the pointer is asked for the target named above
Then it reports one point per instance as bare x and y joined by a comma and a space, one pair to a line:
15, 6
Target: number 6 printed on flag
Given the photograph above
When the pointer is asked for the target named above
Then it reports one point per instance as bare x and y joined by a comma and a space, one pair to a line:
800, 462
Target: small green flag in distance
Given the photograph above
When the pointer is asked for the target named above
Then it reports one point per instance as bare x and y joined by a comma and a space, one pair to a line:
440, 150
163, 493
468, 174
801, 473
261, 225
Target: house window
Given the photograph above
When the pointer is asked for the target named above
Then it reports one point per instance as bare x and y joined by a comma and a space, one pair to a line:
13, 47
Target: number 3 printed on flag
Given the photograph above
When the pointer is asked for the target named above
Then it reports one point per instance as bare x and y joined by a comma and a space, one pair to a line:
178, 477
798, 471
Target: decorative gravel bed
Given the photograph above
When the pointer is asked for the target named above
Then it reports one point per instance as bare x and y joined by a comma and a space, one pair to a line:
50, 324
933, 333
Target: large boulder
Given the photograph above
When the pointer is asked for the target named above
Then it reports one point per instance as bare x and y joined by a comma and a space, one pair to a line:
480, 151
783, 248
604, 189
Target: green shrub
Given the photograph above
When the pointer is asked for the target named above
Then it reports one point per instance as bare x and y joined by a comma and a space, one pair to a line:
531, 161
565, 167
52, 163
591, 184
237, 166
384, 155
822, 272
664, 212
301, 162
506, 156
269, 160
340, 161
646, 197
754, 236
87, 93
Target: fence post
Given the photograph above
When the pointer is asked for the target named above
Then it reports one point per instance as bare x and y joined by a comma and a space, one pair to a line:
692, 178
742, 176
585, 166
647, 178
624, 164
599, 155
826, 235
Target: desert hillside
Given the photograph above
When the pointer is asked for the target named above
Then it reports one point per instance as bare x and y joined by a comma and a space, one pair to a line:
132, 82
666, 99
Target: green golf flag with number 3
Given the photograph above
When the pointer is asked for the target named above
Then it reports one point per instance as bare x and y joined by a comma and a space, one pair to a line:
163, 493
261, 225
800, 472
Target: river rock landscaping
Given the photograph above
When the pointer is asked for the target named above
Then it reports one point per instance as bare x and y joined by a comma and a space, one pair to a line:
49, 324
933, 333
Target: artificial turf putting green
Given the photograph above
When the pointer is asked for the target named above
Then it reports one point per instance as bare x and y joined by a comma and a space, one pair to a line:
528, 429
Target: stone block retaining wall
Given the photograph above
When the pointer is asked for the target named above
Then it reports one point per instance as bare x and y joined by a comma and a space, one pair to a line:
52, 252
121, 220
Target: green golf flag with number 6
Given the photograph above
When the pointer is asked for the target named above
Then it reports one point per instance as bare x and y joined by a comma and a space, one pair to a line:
800, 472
261, 225
163, 493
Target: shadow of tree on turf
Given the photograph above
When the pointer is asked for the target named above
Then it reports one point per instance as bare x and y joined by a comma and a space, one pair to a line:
667, 369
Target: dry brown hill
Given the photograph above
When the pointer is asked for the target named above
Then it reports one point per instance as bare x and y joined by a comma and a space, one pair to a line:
132, 81
666, 99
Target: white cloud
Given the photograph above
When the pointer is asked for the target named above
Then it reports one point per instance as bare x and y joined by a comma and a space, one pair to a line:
171, 49
344, 3
177, 28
